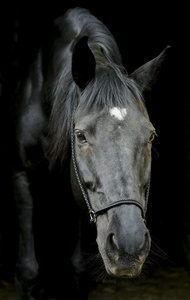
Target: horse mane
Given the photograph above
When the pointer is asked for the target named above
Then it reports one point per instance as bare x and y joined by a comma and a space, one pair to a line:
110, 86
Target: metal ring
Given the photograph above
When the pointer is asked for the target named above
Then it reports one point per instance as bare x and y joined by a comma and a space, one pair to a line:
93, 217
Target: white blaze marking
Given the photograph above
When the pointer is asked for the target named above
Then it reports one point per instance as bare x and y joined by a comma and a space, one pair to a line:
118, 113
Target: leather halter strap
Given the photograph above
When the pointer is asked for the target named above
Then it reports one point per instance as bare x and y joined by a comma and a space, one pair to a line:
94, 214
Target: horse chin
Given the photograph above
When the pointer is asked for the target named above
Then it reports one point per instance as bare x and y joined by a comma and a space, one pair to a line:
123, 267
123, 272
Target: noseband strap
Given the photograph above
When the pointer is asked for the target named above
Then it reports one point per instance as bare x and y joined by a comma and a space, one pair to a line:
94, 214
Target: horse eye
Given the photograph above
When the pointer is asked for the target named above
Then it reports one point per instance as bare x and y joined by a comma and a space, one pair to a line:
80, 136
151, 138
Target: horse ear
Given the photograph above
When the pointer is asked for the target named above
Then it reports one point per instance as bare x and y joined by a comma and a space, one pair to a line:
147, 74
83, 63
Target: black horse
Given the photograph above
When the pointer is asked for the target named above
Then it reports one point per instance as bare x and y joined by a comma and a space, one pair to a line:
81, 146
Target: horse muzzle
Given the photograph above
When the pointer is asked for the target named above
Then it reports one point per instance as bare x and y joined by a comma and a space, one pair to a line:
125, 245
120, 263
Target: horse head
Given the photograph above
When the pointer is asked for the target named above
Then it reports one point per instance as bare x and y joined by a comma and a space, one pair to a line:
112, 141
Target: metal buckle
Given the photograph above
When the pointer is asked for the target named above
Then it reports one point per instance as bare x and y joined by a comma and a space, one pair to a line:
93, 216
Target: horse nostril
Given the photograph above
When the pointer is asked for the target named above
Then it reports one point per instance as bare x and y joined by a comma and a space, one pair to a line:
146, 243
113, 241
132, 245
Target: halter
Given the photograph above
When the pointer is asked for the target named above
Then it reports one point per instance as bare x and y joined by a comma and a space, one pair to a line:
94, 214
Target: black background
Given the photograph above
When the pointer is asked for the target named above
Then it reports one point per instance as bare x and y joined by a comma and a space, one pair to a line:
142, 30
